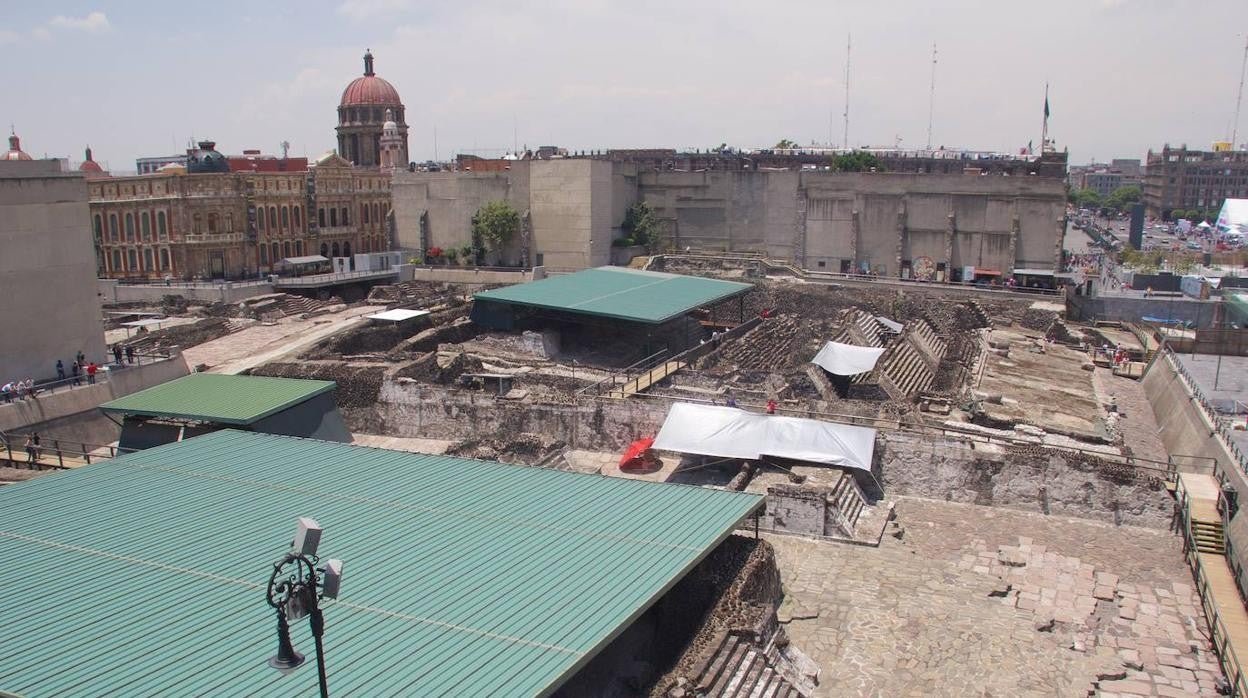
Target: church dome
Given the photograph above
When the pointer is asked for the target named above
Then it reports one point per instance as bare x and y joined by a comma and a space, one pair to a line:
369, 90
90, 166
15, 149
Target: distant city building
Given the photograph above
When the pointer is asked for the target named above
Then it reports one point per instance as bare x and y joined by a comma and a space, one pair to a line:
90, 168
15, 151
1200, 180
223, 224
1104, 179
154, 164
362, 118
47, 274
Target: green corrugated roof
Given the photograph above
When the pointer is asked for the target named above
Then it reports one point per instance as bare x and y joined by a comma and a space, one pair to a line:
618, 292
218, 398
145, 575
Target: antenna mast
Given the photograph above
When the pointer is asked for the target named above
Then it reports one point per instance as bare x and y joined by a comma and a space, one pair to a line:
848, 46
931, 98
1239, 99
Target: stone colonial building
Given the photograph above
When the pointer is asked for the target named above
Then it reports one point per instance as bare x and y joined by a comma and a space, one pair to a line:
235, 225
367, 104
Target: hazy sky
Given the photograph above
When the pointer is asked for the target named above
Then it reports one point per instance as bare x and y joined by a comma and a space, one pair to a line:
140, 78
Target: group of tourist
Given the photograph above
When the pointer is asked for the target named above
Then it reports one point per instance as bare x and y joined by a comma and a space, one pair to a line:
18, 389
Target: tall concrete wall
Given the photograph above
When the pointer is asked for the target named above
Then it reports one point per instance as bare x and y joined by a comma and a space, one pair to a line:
111, 291
50, 309
1133, 308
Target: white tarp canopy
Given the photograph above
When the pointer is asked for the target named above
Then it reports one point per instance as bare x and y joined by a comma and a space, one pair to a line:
890, 324
148, 322
397, 315
728, 432
1234, 216
846, 359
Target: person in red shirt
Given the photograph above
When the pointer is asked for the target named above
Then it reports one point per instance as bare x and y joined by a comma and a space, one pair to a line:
91, 369
771, 407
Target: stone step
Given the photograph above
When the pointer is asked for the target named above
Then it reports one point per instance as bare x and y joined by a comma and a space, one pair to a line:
738, 654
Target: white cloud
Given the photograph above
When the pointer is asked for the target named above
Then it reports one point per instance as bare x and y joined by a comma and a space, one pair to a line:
93, 23
359, 10
41, 34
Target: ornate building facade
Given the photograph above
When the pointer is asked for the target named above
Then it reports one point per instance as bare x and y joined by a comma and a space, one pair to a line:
235, 225
362, 115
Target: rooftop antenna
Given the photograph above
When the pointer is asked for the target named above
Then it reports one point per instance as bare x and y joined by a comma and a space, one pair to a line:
1240, 98
285, 148
848, 46
931, 98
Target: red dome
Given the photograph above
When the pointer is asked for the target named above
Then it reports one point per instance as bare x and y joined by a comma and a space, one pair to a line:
369, 90
90, 166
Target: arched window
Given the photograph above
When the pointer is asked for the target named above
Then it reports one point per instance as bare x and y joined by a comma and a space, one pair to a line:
366, 246
276, 254
298, 248
346, 249
364, 213
385, 211
286, 248
164, 259
335, 250
148, 259
324, 250
197, 224
130, 227
260, 220
285, 218
320, 216
229, 222
116, 265
375, 216
333, 218
272, 218
346, 219
298, 218
212, 222
112, 228
98, 225
264, 254
160, 225
133, 259
145, 226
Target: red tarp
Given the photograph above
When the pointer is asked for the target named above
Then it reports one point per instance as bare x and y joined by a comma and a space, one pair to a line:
636, 449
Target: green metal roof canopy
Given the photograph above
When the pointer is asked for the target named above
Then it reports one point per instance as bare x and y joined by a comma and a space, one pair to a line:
223, 399
620, 293
145, 575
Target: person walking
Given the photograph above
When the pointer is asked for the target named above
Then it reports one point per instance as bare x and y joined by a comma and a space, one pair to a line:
32, 452
60, 370
129, 354
7, 389
117, 354
77, 371
81, 358
91, 369
771, 406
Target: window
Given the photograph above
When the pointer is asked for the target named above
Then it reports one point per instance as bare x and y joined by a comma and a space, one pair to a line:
160, 225
148, 264
346, 219
98, 226
375, 216
133, 259
112, 227
324, 250
364, 213
197, 224
298, 248
822, 264
286, 248
333, 218
335, 249
260, 220
320, 215
164, 259
212, 222
277, 255
116, 260
229, 222
145, 226
272, 218
130, 227
285, 218
264, 254
298, 218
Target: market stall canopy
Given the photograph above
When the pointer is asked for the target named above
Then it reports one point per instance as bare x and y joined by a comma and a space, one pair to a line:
397, 315
846, 359
309, 259
728, 432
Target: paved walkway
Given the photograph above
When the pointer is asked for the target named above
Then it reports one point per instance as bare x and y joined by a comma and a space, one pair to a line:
1136, 422
259, 344
977, 601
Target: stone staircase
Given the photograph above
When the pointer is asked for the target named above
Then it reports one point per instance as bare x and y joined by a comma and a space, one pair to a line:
298, 305
740, 669
906, 368
765, 347
849, 501
976, 316
1209, 537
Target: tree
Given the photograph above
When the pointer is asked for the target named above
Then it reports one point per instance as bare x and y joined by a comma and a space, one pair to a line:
494, 224
784, 144
1122, 197
857, 161
1086, 198
641, 226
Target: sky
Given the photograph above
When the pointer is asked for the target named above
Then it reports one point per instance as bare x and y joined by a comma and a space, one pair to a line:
140, 78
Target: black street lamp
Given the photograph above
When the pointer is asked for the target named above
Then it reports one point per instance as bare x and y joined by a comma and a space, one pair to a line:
295, 590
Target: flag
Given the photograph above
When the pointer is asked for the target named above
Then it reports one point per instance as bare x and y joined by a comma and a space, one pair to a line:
1046, 105
1030, 150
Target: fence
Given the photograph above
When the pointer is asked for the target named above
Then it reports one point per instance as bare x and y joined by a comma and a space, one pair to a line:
56, 453
1221, 425
1219, 634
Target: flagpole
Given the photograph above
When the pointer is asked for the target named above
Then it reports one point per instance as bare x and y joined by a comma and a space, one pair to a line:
1044, 130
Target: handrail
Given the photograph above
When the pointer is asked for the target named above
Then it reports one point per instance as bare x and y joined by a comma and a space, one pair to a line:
1231, 666
59, 448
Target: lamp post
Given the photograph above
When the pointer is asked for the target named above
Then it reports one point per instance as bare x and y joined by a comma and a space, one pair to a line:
295, 590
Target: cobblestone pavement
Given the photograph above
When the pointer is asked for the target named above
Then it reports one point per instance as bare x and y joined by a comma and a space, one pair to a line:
1136, 422
977, 601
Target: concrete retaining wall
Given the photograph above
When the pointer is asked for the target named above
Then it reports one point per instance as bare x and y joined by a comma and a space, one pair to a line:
475, 276
1132, 309
113, 292
52, 408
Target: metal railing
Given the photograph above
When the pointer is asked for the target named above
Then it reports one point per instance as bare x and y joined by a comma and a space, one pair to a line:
1219, 636
333, 276
1221, 425
626, 375
55, 453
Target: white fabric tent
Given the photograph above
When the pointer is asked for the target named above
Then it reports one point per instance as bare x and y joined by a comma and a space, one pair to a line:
397, 315
728, 432
846, 359
1234, 216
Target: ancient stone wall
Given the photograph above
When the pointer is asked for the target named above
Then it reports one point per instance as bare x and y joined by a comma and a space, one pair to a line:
1018, 477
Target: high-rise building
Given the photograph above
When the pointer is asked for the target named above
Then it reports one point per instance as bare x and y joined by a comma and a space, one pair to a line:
362, 118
